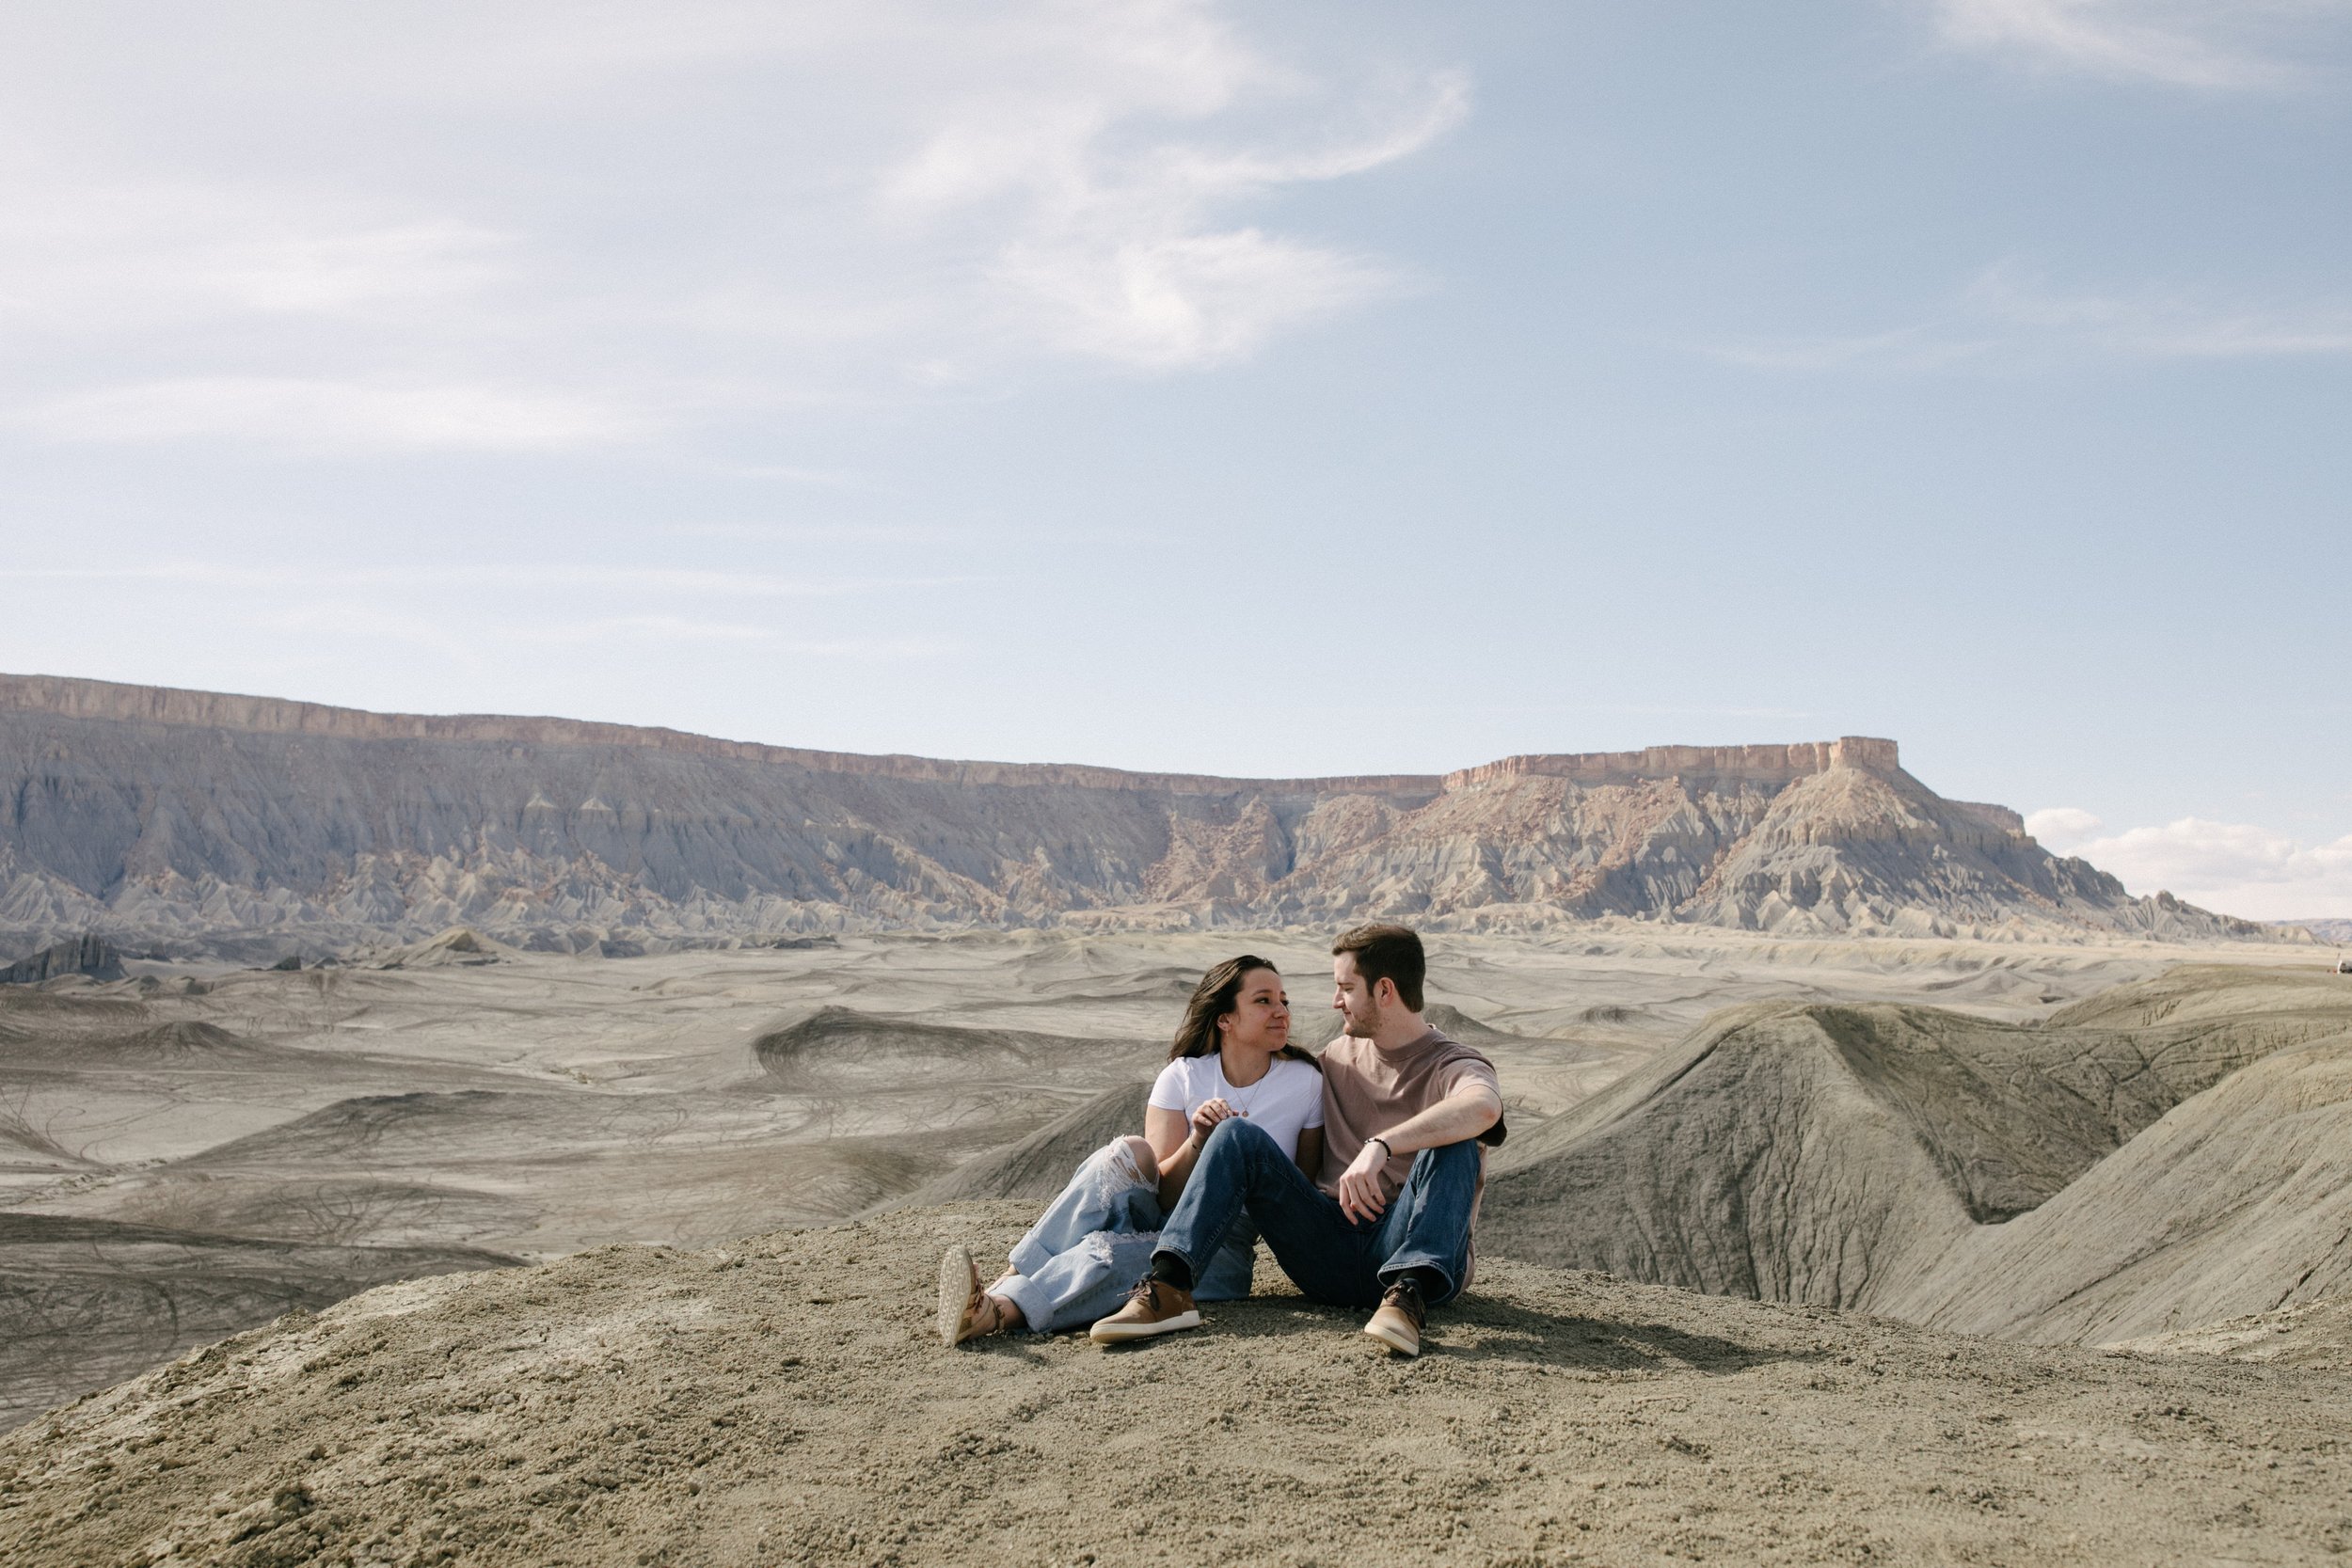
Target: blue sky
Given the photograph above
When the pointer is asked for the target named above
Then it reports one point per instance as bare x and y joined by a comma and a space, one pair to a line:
1268, 391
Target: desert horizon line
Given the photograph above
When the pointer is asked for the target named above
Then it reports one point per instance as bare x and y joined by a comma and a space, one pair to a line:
87, 697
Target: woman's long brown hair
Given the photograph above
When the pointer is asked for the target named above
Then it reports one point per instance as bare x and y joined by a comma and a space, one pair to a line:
1215, 996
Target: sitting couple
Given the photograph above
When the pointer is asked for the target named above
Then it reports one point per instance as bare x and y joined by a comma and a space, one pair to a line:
1361, 1170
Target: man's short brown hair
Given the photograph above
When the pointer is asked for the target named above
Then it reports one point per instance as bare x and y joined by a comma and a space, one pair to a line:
1386, 953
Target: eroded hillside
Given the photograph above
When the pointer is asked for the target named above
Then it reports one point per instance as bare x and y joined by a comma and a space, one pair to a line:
188, 822
2169, 1153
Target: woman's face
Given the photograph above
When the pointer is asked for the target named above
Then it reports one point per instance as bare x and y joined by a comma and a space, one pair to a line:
1261, 1018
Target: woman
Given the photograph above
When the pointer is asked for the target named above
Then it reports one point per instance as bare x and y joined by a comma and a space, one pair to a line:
1232, 1057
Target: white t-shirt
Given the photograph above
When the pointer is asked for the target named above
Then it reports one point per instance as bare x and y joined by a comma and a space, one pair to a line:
1285, 1102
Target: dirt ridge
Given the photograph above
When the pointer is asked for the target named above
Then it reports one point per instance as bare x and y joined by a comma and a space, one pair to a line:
781, 1400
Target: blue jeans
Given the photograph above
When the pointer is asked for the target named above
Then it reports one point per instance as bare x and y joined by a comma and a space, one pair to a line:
1241, 1178
1095, 1240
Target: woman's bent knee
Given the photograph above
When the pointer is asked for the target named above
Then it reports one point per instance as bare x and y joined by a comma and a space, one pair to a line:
1233, 1128
1139, 1153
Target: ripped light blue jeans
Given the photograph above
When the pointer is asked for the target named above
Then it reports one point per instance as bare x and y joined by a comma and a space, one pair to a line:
1095, 1240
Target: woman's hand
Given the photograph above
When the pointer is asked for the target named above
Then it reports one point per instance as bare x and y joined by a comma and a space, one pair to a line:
1204, 1120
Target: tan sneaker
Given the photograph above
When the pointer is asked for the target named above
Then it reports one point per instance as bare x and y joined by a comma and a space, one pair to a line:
1399, 1322
961, 1306
1153, 1306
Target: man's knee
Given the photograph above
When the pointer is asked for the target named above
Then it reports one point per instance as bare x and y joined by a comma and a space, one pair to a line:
1446, 1159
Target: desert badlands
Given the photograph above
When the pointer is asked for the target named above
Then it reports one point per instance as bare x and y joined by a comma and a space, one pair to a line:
506, 1142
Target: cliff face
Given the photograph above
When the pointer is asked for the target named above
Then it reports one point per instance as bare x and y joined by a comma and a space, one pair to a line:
175, 817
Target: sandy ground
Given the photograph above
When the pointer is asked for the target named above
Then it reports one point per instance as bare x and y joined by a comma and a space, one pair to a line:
781, 1401
261, 1140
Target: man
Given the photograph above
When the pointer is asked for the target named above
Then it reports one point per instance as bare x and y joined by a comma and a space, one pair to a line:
1405, 1110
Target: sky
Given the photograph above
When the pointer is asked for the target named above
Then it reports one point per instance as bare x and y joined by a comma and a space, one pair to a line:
1269, 390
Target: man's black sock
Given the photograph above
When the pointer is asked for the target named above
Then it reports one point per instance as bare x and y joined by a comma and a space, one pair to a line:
1171, 1269
1432, 1283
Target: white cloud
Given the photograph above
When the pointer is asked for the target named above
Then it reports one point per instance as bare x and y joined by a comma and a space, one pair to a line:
338, 416
1187, 300
1107, 180
85, 253
433, 234
687, 628
2215, 44
2059, 829
2006, 319
339, 271
476, 642
478, 577
1900, 349
2236, 868
2159, 323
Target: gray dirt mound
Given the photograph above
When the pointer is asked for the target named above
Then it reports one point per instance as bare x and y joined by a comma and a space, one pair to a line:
2206, 992
1159, 982
25, 1147
840, 1049
184, 1050
186, 1044
334, 1210
34, 1014
783, 1399
86, 1302
1748, 1161
2013, 1114
2317, 1335
459, 947
1891, 1158
502, 1136
1036, 1167
2238, 1201
390, 1129
1458, 1025
1316, 1027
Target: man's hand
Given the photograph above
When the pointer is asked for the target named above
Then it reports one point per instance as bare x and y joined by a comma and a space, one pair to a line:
1204, 1120
1360, 1197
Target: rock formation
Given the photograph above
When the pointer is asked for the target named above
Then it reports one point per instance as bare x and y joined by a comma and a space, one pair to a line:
2163, 1155
84, 955
198, 821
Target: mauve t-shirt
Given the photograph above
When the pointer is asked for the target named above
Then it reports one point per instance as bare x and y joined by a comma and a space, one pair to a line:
1367, 1090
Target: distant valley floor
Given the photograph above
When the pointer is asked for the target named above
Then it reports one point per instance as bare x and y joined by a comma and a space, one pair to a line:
181, 1158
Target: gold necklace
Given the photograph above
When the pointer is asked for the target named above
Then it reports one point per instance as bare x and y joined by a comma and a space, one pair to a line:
1243, 1099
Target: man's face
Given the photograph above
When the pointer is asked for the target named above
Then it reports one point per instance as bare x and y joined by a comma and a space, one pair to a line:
1352, 997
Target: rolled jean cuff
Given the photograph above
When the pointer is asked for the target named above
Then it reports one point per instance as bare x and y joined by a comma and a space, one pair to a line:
1037, 1306
1449, 1270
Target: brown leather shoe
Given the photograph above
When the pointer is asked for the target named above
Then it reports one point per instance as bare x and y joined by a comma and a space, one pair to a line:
1153, 1306
1401, 1317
